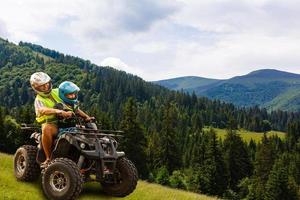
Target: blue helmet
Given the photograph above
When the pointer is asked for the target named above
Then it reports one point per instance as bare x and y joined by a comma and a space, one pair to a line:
66, 88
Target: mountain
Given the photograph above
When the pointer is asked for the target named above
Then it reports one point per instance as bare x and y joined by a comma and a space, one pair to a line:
267, 88
187, 82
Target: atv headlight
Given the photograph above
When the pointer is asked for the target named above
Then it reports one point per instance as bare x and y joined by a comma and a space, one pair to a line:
82, 145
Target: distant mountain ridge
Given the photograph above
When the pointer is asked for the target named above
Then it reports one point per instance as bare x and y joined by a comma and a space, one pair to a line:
272, 73
187, 82
269, 88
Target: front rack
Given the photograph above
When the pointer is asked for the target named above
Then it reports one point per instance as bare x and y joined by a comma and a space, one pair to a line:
31, 127
84, 131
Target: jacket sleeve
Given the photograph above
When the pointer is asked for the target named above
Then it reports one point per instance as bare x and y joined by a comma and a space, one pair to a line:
37, 106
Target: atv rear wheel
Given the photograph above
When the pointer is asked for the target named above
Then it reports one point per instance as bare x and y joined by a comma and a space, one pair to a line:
25, 165
61, 180
126, 180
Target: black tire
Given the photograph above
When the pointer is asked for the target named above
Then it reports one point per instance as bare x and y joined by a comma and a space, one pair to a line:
128, 179
61, 180
25, 165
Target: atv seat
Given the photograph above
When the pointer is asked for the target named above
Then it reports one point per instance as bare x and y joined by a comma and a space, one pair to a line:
62, 131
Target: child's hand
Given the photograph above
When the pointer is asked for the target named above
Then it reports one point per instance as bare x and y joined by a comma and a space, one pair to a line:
88, 119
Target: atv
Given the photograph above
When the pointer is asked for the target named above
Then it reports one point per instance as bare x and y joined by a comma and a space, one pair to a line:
81, 155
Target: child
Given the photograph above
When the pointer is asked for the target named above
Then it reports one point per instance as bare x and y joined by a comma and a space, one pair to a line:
68, 93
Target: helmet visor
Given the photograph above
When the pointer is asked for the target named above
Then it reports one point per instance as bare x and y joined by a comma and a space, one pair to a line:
71, 96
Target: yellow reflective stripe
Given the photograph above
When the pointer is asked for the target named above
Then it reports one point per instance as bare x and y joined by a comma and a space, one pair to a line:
45, 118
55, 95
48, 121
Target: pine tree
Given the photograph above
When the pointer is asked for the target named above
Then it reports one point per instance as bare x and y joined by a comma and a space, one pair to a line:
24, 94
293, 134
237, 159
278, 186
134, 142
212, 174
252, 149
169, 148
153, 155
198, 147
197, 121
264, 160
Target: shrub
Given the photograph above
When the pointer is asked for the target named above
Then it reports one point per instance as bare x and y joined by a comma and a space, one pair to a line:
162, 176
177, 180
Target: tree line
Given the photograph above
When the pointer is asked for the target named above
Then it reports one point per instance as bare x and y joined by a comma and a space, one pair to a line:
193, 158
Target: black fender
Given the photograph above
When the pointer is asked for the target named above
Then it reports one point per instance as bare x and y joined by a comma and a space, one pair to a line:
63, 145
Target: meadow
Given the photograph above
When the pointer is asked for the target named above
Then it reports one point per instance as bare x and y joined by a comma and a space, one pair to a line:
248, 135
11, 189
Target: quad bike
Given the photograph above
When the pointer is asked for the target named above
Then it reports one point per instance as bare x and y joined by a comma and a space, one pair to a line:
86, 154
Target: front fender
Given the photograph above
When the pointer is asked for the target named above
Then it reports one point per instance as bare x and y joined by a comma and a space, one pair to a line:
64, 144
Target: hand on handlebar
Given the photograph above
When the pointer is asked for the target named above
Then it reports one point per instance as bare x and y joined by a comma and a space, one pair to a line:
66, 114
89, 119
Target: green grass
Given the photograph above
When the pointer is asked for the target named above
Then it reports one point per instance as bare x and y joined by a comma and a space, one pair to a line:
248, 135
12, 189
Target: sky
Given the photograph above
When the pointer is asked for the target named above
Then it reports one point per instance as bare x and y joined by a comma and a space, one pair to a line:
157, 39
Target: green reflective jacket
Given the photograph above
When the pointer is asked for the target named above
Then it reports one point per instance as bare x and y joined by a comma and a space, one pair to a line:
49, 103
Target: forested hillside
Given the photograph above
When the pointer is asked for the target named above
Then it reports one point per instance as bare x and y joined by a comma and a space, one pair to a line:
108, 89
267, 88
166, 127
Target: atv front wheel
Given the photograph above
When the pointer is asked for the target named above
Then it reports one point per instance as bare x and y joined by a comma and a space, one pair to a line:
127, 177
25, 165
62, 180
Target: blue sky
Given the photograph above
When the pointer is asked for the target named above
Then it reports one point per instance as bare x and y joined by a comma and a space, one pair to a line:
163, 39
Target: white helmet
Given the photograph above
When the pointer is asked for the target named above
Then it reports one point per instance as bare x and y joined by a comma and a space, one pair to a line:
40, 78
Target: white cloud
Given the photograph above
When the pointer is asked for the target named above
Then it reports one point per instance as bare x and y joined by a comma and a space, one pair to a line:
119, 64
229, 17
164, 39
150, 47
236, 55
114, 62
26, 20
3, 29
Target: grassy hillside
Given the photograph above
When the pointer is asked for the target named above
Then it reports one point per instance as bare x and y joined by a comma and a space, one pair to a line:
12, 189
248, 135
